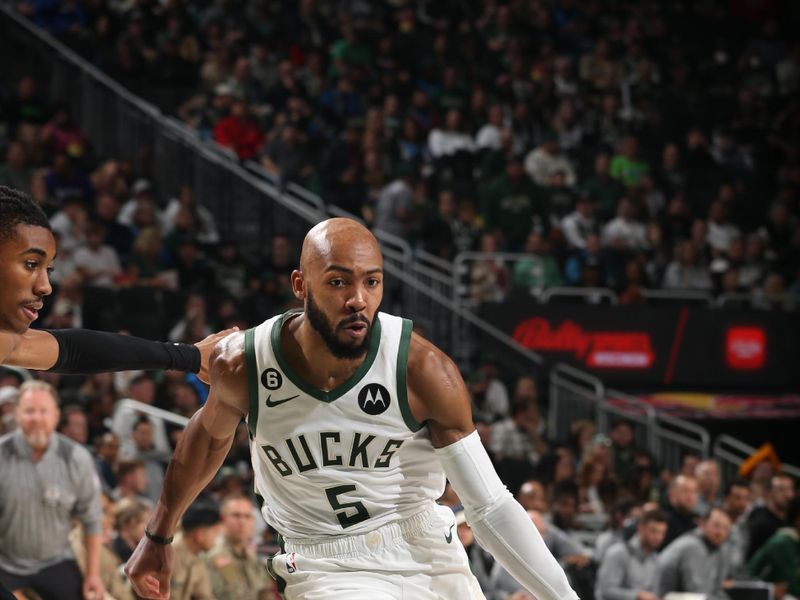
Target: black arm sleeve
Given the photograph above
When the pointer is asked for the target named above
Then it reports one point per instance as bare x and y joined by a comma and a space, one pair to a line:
82, 351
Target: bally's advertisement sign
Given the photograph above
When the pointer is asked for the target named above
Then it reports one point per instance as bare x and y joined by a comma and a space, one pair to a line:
660, 346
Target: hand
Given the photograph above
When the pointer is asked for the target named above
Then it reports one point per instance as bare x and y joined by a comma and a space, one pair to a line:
149, 569
93, 588
644, 595
206, 347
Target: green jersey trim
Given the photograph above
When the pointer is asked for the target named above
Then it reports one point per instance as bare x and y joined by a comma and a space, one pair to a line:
252, 380
402, 377
345, 386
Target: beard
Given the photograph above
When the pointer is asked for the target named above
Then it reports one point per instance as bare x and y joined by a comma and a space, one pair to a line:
38, 440
320, 323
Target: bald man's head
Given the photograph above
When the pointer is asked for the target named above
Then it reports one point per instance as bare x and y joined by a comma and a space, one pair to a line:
340, 281
331, 235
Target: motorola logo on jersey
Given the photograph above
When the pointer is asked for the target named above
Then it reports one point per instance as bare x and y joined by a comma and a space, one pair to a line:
374, 399
271, 379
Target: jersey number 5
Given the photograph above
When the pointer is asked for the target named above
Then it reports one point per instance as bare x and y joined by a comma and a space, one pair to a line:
345, 519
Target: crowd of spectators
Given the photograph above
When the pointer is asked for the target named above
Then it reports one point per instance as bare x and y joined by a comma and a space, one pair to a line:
612, 145
615, 143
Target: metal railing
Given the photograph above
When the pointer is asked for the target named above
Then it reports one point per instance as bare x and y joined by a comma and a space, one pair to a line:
151, 411
678, 297
576, 395
731, 453
588, 295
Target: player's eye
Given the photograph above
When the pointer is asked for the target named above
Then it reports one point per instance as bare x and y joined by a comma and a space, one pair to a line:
31, 264
373, 282
336, 282
50, 269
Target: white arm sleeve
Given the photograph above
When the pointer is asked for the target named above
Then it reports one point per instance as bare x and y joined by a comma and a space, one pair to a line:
500, 524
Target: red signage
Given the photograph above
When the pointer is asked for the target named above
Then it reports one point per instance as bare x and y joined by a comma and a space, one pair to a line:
745, 348
597, 349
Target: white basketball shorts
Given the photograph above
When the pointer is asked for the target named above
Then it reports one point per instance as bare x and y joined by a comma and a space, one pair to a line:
418, 558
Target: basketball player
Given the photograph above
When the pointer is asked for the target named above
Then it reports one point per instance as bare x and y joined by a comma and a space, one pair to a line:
354, 423
27, 252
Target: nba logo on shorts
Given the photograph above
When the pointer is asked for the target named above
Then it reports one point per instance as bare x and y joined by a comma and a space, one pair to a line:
291, 565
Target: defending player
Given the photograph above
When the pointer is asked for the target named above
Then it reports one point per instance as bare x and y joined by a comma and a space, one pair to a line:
27, 252
354, 423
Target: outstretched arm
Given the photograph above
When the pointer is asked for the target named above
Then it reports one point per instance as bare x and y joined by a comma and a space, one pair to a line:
438, 395
86, 351
198, 456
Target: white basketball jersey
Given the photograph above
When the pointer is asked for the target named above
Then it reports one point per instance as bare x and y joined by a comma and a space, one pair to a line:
343, 461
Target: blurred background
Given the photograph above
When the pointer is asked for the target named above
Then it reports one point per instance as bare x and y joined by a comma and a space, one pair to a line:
592, 206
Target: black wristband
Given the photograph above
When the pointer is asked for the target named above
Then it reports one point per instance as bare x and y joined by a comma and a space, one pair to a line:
83, 351
158, 539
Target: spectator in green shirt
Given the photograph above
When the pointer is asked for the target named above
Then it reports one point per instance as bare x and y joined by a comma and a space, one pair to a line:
540, 270
778, 561
514, 205
626, 165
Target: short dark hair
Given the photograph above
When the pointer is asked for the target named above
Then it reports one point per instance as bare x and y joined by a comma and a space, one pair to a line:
566, 489
203, 513
18, 208
125, 467
738, 482
653, 516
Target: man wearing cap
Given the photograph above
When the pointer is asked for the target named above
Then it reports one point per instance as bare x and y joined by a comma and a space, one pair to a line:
236, 572
190, 578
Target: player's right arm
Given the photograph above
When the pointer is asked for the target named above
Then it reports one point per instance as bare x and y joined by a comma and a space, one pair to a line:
198, 456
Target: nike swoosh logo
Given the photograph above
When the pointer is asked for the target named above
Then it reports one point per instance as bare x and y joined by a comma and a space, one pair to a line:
273, 403
449, 535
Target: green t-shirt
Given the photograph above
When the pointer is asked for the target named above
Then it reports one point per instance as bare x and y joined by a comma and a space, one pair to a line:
630, 172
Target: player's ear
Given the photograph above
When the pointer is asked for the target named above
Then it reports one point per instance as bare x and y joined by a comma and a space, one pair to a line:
298, 285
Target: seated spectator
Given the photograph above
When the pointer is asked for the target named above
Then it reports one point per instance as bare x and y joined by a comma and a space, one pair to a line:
518, 437
236, 572
684, 272
97, 264
680, 508
449, 140
541, 270
626, 165
131, 480
620, 518
240, 132
708, 486
73, 424
129, 523
766, 519
107, 452
579, 224
154, 462
145, 266
200, 527
489, 277
602, 188
630, 569
394, 210
546, 160
736, 503
194, 326
142, 388
142, 195
514, 206
488, 136
286, 156
625, 232
778, 560
721, 232
696, 562
66, 180
69, 224
63, 135
533, 496
14, 172
118, 236
205, 229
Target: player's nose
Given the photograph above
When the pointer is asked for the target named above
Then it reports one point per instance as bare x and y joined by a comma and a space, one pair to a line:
42, 286
357, 301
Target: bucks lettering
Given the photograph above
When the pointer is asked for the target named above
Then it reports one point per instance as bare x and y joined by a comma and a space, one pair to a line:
307, 452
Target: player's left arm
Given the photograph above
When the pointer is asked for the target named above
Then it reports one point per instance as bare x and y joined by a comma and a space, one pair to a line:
438, 396
83, 351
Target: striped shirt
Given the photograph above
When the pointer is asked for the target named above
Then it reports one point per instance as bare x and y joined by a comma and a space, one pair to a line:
39, 500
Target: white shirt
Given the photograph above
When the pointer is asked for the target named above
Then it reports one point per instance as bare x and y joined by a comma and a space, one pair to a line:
541, 166
104, 259
720, 235
447, 143
488, 137
576, 229
633, 233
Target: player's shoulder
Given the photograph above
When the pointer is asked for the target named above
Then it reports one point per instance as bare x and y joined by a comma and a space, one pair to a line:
8, 341
429, 365
229, 356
